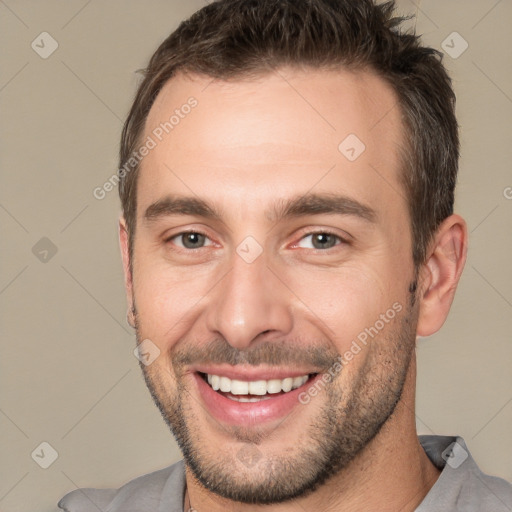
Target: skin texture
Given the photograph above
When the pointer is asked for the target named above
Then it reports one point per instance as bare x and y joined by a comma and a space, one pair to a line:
247, 146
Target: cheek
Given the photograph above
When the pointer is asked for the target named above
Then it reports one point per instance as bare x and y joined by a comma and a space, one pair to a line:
347, 303
166, 298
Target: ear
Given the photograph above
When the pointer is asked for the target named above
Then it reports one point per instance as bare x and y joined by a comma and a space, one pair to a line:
440, 274
128, 278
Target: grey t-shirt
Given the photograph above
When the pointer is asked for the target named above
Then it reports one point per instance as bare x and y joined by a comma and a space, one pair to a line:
461, 487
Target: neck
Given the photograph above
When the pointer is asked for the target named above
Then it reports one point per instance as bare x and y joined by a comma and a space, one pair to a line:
391, 473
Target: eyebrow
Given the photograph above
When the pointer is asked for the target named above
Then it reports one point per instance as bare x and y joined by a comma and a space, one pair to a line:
171, 205
317, 204
300, 206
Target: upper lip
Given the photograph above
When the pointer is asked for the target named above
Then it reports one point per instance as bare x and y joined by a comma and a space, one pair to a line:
251, 373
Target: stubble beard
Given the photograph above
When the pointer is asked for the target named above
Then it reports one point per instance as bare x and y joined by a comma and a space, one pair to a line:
348, 420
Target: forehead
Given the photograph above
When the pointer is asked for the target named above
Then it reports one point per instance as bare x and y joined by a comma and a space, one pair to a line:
284, 130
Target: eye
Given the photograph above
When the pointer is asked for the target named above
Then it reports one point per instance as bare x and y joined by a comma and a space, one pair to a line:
190, 240
321, 240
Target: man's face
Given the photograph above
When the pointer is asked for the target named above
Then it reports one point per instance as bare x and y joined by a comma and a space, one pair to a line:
281, 281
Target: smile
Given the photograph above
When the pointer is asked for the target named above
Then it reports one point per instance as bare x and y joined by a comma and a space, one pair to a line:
241, 390
246, 402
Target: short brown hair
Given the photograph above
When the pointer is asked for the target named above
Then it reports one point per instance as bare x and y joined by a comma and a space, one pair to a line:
240, 38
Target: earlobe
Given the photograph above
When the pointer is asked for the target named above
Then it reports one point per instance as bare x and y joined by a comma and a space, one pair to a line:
441, 273
125, 255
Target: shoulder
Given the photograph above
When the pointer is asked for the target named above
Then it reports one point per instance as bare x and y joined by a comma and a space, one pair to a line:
140, 494
486, 491
462, 486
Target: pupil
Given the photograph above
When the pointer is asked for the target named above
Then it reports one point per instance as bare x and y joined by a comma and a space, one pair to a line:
323, 240
193, 240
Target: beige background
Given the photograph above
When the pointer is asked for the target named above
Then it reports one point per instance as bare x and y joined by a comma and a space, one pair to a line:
68, 375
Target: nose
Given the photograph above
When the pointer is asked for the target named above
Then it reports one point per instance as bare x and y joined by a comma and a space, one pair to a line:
250, 301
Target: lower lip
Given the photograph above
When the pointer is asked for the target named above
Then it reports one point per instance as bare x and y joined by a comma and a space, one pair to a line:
246, 414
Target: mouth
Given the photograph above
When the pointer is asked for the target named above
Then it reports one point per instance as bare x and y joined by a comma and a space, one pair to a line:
254, 390
266, 397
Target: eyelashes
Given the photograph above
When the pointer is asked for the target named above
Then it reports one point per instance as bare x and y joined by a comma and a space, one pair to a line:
193, 240
194, 237
326, 235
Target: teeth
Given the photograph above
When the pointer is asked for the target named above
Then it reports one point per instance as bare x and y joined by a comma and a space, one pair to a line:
239, 387
225, 384
287, 384
246, 399
215, 383
297, 382
274, 385
257, 387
